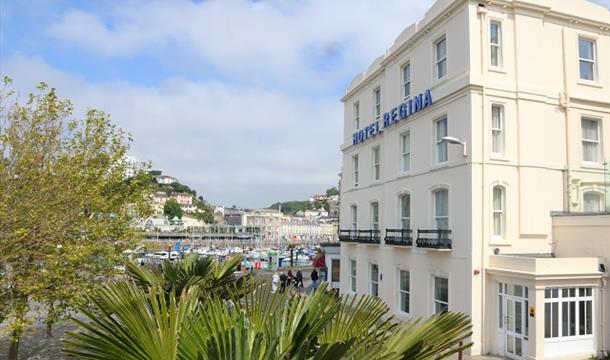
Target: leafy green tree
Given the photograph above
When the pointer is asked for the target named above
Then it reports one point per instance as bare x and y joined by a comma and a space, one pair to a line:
204, 212
129, 322
66, 206
172, 209
332, 191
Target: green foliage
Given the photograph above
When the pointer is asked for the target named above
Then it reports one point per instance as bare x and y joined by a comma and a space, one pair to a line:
66, 204
154, 173
172, 209
332, 191
130, 322
210, 277
292, 207
176, 187
204, 212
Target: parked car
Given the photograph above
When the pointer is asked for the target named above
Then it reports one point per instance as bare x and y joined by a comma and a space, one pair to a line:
161, 255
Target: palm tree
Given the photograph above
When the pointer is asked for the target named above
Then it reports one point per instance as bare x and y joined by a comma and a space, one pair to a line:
209, 276
126, 321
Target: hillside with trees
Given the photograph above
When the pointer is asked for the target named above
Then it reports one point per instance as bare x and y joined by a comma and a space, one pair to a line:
294, 206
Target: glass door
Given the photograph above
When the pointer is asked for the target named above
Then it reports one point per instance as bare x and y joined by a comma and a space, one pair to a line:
515, 327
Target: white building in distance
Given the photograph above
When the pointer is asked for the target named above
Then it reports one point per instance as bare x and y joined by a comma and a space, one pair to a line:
478, 123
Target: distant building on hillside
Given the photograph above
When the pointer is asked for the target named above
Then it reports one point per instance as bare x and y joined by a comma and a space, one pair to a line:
165, 180
158, 201
182, 198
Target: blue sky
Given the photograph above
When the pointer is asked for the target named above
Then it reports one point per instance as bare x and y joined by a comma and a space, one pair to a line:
239, 99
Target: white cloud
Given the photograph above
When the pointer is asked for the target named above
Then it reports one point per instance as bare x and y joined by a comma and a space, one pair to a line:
236, 145
274, 40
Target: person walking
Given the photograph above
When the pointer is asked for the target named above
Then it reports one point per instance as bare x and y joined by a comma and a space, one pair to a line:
298, 280
275, 282
283, 282
290, 277
314, 279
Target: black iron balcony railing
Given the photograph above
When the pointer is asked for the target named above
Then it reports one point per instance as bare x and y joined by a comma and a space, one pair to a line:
368, 236
434, 239
348, 235
402, 237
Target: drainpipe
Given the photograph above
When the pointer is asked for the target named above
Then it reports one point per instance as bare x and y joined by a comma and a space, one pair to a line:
482, 11
564, 99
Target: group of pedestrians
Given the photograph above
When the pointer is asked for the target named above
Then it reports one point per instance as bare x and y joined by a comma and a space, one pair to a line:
289, 281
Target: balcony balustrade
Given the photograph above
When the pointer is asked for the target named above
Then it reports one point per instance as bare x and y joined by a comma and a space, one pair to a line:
348, 235
434, 239
402, 237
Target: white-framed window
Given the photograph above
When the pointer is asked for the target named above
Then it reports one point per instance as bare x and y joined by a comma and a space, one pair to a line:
354, 217
590, 137
592, 201
568, 313
406, 80
356, 115
352, 275
404, 291
374, 279
440, 131
374, 216
355, 170
440, 294
495, 43
586, 58
441, 209
377, 103
497, 129
440, 55
405, 152
376, 157
405, 211
498, 212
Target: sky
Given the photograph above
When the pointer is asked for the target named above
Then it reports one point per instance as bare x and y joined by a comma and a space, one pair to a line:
238, 99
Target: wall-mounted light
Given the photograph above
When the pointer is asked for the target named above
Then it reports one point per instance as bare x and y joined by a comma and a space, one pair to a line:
455, 141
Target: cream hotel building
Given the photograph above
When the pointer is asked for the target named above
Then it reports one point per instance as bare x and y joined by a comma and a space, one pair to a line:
475, 175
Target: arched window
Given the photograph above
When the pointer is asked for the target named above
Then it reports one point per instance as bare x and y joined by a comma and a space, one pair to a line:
375, 216
592, 201
441, 209
498, 213
354, 216
405, 211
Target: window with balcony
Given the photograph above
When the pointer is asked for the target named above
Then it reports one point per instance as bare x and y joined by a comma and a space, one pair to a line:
375, 216
498, 212
354, 217
374, 279
352, 275
355, 170
586, 58
377, 103
495, 43
404, 290
441, 294
593, 201
440, 52
376, 157
356, 116
441, 209
440, 131
405, 211
406, 81
405, 152
590, 137
497, 129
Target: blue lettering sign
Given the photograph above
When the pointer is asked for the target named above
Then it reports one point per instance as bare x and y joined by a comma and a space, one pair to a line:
401, 112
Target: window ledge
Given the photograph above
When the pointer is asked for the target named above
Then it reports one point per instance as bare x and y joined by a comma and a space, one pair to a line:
596, 166
590, 83
403, 316
497, 69
497, 242
498, 157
